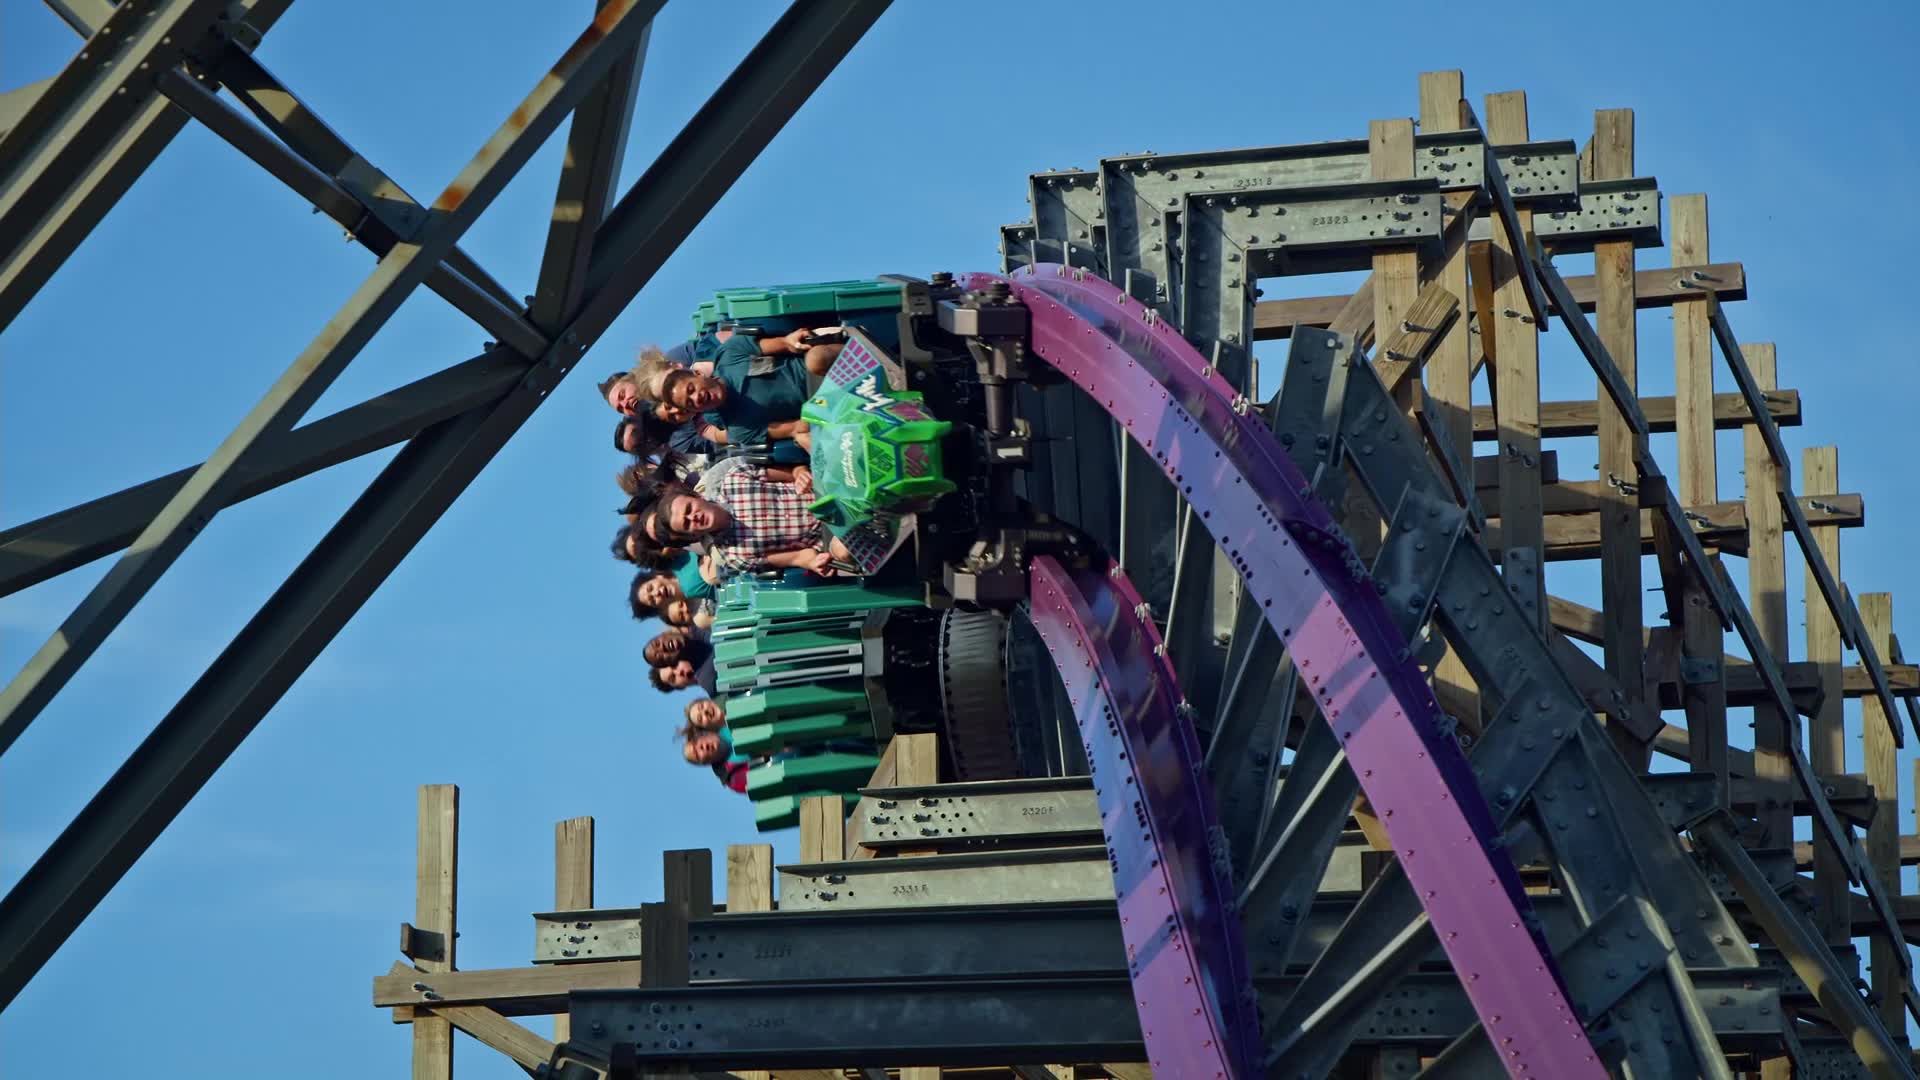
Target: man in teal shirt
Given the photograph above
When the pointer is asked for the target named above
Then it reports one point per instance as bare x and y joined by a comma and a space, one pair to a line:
757, 386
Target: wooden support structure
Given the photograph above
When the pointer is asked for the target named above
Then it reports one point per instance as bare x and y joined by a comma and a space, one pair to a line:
1620, 547
1884, 842
1274, 319
1827, 741
1767, 599
1516, 381
435, 891
1448, 372
572, 880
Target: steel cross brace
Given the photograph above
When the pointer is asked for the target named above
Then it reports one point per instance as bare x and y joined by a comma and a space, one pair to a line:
318, 171
1845, 615
616, 30
1543, 733
1255, 502
410, 494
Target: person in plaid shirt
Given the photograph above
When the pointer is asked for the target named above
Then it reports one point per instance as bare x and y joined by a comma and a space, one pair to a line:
749, 521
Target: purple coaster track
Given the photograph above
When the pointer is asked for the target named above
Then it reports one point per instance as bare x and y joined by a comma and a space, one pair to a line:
1319, 599
1191, 983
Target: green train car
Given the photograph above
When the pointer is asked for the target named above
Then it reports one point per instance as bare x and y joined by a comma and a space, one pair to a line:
918, 472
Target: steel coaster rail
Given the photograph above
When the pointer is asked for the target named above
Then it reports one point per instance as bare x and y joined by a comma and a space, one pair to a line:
1191, 981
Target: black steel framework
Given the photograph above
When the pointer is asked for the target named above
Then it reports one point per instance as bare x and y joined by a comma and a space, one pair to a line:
145, 68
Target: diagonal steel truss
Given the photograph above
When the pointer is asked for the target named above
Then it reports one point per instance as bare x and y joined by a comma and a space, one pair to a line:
147, 66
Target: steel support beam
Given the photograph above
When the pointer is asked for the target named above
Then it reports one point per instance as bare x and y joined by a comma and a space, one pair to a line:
613, 34
52, 545
410, 494
92, 176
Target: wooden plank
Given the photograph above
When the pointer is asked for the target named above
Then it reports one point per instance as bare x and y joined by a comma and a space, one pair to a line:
1844, 511
1693, 361
435, 891
1908, 851
823, 829
1675, 742
1409, 346
1396, 271
523, 991
1516, 373
1569, 419
1744, 686
1884, 842
687, 881
883, 776
572, 887
1767, 601
749, 878
1827, 745
1275, 319
1694, 408
918, 761
750, 888
528, 1050
1621, 582
1579, 535
1449, 370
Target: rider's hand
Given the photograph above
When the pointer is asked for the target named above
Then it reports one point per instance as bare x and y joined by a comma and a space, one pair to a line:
803, 479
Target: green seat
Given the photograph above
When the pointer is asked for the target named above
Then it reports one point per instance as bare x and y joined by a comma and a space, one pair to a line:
844, 695
777, 735
784, 812
773, 306
816, 772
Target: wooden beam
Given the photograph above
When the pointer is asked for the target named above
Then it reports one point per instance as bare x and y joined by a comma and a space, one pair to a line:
1884, 841
1908, 851
823, 829
528, 991
919, 760
528, 1050
750, 888
1449, 370
883, 776
1676, 742
1516, 377
572, 886
1843, 511
1571, 419
435, 890
1582, 623
1410, 343
1695, 407
1767, 600
1827, 739
1578, 535
1274, 319
1621, 580
687, 881
749, 878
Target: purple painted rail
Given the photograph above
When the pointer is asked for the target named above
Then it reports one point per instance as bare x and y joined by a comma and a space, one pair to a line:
1255, 503
1190, 979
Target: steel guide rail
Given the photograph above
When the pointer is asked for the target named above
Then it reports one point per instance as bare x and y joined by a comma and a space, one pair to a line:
1726, 599
1255, 502
1838, 601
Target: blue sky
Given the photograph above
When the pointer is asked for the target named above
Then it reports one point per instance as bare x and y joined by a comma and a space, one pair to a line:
500, 655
